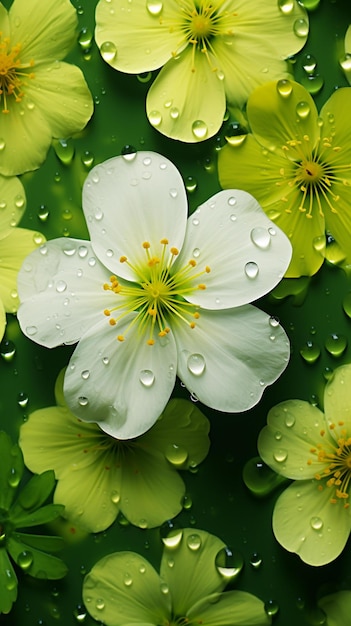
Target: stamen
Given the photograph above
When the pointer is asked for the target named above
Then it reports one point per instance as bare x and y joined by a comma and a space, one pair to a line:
335, 455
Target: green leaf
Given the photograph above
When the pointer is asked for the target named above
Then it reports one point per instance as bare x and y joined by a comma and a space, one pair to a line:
8, 583
41, 542
34, 518
35, 562
34, 493
11, 470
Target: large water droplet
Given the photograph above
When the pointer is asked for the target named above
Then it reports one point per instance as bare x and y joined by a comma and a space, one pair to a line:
194, 542
199, 129
301, 28
25, 559
147, 378
284, 87
175, 454
280, 455
286, 6
261, 238
171, 535
251, 269
228, 563
316, 523
64, 150
259, 478
303, 109
154, 7
83, 401
310, 352
336, 345
85, 39
108, 51
155, 118
129, 153
196, 364
7, 350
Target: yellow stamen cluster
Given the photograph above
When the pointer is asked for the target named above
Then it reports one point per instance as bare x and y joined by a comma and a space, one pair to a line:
12, 78
200, 22
159, 294
336, 459
313, 175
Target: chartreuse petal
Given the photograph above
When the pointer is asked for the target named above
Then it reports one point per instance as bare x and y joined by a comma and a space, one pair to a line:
35, 562
13, 250
34, 494
123, 588
35, 518
151, 490
337, 606
337, 399
197, 98
8, 583
276, 117
305, 521
2, 320
348, 40
12, 203
11, 470
337, 154
193, 574
293, 428
180, 435
232, 608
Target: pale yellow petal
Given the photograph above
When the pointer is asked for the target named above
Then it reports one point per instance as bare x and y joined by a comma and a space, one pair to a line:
12, 203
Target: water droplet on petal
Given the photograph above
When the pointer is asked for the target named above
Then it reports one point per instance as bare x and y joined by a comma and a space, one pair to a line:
261, 238
280, 455
175, 454
284, 87
83, 401
251, 269
31, 331
316, 523
100, 604
61, 286
25, 559
196, 364
196, 253
128, 580
115, 497
129, 153
154, 7
303, 109
228, 563
199, 129
194, 542
171, 535
155, 118
85, 374
108, 51
301, 28
286, 6
147, 378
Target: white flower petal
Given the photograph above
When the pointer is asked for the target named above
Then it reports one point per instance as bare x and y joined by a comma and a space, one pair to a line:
60, 287
129, 201
230, 356
246, 253
122, 385
306, 522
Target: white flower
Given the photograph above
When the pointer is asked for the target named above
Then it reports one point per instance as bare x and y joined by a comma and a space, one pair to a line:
154, 295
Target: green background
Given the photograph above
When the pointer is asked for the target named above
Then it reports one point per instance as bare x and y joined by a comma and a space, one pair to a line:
312, 313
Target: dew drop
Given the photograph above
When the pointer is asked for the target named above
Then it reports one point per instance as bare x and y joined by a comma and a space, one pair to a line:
286, 6
301, 27
87, 159
83, 401
190, 184
271, 607
261, 238
128, 153
251, 270
79, 614
85, 39
171, 535
310, 352
255, 560
61, 286
10, 580
100, 604
316, 523
199, 129
303, 110
154, 7
313, 84
7, 350
280, 455
105, 360
2, 144
43, 213
85, 374
289, 420
284, 87
196, 253
155, 118
309, 64
175, 454
115, 496
22, 399
173, 193
147, 378
231, 201
336, 345
13, 478
128, 580
64, 150
25, 560
187, 502
310, 5
259, 478
194, 542
31, 331
19, 201
228, 563
196, 364
108, 51
144, 77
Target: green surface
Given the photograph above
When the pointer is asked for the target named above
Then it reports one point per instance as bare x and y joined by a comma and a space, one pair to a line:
221, 504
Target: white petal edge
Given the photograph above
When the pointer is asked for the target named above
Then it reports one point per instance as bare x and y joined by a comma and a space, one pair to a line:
127, 202
230, 356
246, 252
122, 385
60, 286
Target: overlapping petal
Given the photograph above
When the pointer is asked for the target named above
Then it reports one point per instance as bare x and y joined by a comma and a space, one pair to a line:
231, 375
12, 203
232, 236
306, 522
337, 400
232, 608
337, 606
131, 201
2, 320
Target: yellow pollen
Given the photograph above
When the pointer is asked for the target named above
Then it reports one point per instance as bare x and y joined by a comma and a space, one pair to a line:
120, 337
150, 342
107, 312
164, 242
201, 286
13, 74
146, 245
123, 259
175, 251
112, 321
192, 262
335, 456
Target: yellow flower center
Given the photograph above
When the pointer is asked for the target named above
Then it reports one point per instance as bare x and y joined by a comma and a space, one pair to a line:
336, 459
159, 295
12, 78
314, 174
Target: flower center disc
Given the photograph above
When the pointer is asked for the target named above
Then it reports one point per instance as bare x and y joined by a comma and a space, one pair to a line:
311, 171
201, 26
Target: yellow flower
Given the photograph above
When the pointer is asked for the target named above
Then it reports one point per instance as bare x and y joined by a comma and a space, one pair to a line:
36, 87
15, 244
297, 164
212, 51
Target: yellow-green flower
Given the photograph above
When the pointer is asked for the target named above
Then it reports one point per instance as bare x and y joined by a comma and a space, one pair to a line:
98, 476
312, 517
123, 588
337, 608
297, 164
210, 52
15, 244
40, 96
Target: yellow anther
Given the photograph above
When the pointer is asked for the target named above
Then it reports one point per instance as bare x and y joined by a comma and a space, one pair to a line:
146, 245
120, 337
167, 329
106, 287
174, 251
150, 342
207, 269
192, 262
192, 324
309, 462
331, 426
196, 315
282, 171
152, 312
123, 259
112, 321
201, 286
164, 242
153, 261
162, 333
333, 501
322, 433
107, 312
